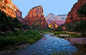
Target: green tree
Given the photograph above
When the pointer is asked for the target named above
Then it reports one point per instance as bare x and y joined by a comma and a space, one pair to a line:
82, 11
8, 23
58, 29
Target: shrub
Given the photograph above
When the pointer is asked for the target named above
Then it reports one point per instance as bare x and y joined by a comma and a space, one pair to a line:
82, 11
59, 29
19, 37
8, 23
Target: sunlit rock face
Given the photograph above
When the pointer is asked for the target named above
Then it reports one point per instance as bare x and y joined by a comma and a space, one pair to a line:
73, 15
36, 17
53, 25
10, 4
8, 7
52, 18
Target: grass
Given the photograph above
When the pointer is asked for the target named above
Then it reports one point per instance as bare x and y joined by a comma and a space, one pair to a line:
74, 36
70, 35
46, 32
60, 33
57, 34
65, 33
18, 37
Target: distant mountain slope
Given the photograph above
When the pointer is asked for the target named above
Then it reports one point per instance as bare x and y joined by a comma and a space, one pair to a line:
53, 18
63, 17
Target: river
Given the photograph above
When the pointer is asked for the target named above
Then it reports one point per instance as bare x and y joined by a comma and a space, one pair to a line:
48, 45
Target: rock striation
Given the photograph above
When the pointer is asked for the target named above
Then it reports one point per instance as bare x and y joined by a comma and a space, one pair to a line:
73, 15
36, 17
10, 9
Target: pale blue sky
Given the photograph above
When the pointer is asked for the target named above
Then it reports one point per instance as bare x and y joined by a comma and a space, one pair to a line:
56, 7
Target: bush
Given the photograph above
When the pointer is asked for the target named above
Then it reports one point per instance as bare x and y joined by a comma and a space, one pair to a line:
59, 29
82, 11
8, 23
19, 37
79, 26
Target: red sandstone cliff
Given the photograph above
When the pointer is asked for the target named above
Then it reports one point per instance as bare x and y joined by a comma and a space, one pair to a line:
73, 16
36, 17
8, 7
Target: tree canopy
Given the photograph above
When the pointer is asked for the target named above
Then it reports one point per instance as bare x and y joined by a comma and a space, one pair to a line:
7, 22
82, 11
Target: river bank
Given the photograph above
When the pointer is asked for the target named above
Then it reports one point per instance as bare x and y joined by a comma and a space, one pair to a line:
76, 40
18, 40
48, 45
12, 49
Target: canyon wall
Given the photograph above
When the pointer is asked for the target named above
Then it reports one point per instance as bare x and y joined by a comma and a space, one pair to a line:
73, 15
10, 9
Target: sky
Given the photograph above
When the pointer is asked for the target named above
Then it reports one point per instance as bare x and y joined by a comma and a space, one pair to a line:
57, 7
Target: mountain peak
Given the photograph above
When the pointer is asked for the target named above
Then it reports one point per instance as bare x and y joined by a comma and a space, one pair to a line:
53, 18
40, 7
36, 17
51, 14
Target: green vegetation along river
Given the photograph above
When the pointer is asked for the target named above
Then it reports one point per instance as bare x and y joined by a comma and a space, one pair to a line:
48, 45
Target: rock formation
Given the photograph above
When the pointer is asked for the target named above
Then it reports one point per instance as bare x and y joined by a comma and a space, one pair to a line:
53, 25
36, 17
10, 9
52, 18
73, 15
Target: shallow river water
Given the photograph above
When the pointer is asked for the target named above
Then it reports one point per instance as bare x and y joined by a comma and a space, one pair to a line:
47, 46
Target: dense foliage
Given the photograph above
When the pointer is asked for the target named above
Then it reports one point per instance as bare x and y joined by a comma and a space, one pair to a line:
82, 11
18, 37
58, 29
8, 23
79, 26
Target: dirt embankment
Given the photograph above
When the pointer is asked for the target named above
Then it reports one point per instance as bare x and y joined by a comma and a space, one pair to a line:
77, 40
